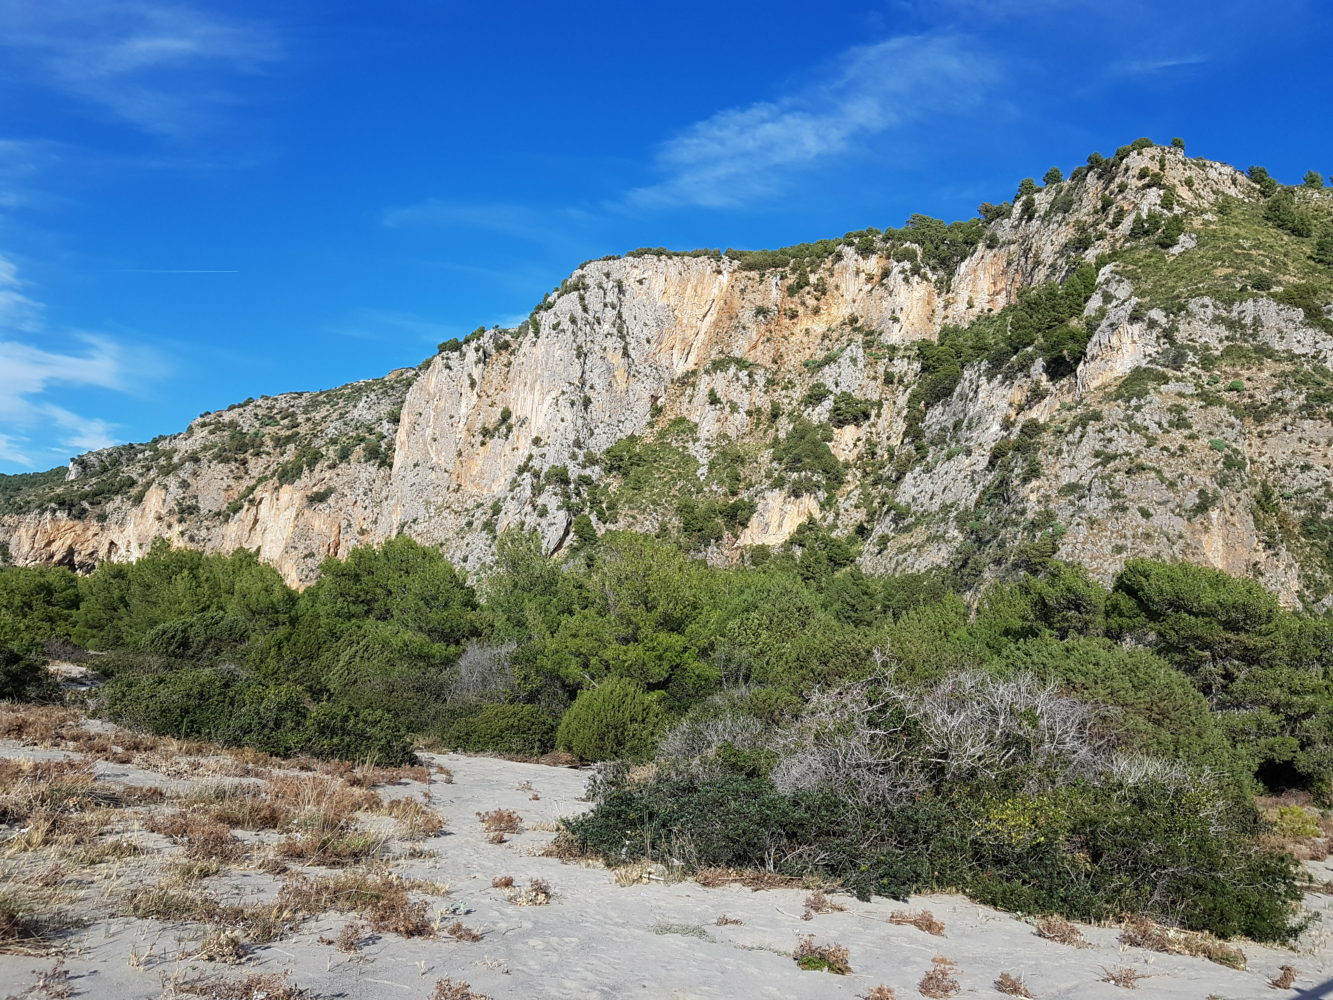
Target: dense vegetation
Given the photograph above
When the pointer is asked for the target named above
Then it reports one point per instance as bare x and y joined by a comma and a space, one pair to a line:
1060, 748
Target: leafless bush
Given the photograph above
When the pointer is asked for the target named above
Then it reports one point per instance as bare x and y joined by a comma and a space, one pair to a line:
448, 989
1012, 985
1284, 980
1060, 930
350, 939
502, 882
1125, 977
501, 821
818, 902
691, 746
879, 993
483, 673
939, 981
458, 932
922, 920
881, 742
725, 921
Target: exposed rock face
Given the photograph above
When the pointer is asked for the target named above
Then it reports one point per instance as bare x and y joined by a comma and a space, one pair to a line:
707, 364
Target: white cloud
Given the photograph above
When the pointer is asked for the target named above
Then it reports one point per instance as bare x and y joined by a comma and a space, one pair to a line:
742, 153
160, 66
29, 374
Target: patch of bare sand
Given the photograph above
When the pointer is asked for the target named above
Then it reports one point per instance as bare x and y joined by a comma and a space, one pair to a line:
189, 906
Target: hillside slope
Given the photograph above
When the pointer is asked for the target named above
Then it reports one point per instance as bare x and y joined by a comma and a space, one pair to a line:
1133, 361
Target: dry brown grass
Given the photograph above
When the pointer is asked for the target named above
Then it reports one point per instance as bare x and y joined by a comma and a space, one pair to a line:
449, 989
351, 939
1126, 977
922, 920
815, 957
818, 902
415, 820
457, 931
502, 882
710, 877
1012, 985
241, 807
383, 900
1285, 979
203, 839
30, 924
1139, 932
333, 850
501, 821
939, 981
725, 921
269, 986
1061, 931
879, 993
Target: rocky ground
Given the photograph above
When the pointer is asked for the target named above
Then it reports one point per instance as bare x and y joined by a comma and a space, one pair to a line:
135, 867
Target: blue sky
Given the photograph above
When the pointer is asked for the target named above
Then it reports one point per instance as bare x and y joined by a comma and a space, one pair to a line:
203, 201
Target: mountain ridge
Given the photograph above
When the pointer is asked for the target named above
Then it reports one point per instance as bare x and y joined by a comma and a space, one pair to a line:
1058, 377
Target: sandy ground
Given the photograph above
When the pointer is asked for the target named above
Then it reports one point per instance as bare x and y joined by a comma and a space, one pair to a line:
596, 938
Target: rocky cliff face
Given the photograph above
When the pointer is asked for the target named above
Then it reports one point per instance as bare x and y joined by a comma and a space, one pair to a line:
730, 401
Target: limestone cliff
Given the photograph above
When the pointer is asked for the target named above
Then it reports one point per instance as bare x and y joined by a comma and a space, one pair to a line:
729, 399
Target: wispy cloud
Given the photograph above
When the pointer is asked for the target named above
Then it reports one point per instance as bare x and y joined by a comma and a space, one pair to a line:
1142, 67
742, 153
160, 66
29, 373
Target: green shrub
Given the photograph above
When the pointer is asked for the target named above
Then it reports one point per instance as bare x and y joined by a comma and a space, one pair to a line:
617, 720
522, 730
24, 679
347, 733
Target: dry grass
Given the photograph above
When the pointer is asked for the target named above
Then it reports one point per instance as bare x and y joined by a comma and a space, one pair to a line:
333, 850
1126, 977
818, 902
222, 946
1139, 932
501, 821
922, 920
261, 987
29, 923
458, 932
879, 993
939, 981
502, 882
351, 939
752, 878
725, 921
1011, 985
1285, 979
448, 989
204, 839
1061, 931
383, 900
415, 821
241, 807
814, 957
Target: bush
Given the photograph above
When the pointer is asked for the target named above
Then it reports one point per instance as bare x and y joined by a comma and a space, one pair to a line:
24, 679
613, 721
522, 730
345, 733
